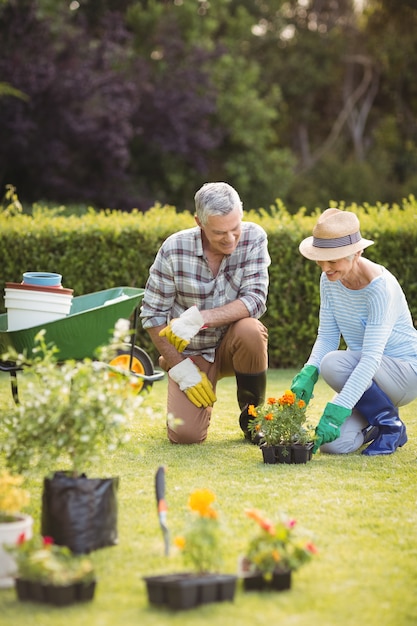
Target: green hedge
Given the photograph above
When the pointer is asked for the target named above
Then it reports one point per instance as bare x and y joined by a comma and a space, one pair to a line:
103, 250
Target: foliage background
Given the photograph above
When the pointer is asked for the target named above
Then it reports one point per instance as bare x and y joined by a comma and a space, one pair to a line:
125, 103
102, 250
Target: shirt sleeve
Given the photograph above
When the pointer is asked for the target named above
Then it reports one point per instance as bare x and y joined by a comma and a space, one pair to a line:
368, 334
378, 330
375, 339
328, 334
159, 292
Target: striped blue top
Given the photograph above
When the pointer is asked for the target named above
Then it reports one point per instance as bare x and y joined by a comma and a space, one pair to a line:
375, 321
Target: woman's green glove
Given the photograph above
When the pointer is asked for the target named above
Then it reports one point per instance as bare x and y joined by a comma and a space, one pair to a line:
328, 428
303, 383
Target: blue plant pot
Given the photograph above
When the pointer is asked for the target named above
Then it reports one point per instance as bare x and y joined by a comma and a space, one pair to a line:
42, 279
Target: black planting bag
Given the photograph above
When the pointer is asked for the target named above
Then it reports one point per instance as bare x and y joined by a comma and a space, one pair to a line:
80, 512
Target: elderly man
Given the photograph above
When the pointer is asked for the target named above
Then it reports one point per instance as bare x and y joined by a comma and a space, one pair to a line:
206, 291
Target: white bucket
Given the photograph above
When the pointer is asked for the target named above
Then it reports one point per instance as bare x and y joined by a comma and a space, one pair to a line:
30, 307
9, 535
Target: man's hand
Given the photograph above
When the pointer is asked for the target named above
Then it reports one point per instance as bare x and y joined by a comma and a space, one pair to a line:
193, 383
328, 428
182, 329
303, 382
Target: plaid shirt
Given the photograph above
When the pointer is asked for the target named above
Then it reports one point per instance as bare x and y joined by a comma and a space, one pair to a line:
180, 277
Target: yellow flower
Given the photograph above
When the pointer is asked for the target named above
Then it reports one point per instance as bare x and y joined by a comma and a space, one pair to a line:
252, 410
201, 543
179, 542
12, 497
200, 501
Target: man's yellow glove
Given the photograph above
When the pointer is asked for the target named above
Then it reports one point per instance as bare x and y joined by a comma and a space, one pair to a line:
182, 329
193, 383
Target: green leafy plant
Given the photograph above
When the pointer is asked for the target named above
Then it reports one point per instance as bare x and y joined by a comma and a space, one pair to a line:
10, 205
73, 412
277, 547
13, 498
281, 420
40, 560
200, 542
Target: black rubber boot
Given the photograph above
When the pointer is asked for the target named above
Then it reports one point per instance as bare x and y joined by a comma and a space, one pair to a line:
378, 409
250, 390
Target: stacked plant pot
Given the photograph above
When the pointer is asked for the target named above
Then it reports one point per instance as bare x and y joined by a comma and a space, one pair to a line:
40, 298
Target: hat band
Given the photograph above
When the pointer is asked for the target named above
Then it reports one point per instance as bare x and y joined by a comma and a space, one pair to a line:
337, 242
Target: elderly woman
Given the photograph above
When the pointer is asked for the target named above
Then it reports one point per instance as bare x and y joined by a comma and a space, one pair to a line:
363, 303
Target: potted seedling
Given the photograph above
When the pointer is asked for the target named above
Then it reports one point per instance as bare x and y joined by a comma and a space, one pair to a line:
13, 522
283, 426
70, 416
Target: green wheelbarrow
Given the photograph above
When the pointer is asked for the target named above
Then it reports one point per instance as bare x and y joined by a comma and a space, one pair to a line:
89, 325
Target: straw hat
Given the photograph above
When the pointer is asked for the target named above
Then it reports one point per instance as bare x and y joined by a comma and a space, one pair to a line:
335, 236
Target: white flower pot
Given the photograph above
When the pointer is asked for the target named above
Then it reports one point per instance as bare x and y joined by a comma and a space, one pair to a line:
9, 534
28, 306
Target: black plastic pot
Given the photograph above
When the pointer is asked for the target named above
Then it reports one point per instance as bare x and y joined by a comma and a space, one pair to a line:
58, 595
80, 512
294, 453
187, 590
280, 581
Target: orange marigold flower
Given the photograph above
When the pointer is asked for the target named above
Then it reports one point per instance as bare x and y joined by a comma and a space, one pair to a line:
301, 404
276, 555
288, 398
269, 417
311, 548
254, 514
264, 523
200, 501
252, 410
271, 401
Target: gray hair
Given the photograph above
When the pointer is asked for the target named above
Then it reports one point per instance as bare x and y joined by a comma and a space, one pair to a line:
352, 256
216, 199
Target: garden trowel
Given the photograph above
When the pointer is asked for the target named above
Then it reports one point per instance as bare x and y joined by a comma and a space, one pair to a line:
162, 506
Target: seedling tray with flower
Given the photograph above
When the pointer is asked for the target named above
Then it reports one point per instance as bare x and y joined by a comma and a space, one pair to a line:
200, 547
283, 428
186, 590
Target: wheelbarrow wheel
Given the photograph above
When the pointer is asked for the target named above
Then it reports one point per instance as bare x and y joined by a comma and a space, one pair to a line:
141, 364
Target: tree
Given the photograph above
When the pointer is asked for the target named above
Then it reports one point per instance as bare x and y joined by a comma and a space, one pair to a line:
70, 140
234, 133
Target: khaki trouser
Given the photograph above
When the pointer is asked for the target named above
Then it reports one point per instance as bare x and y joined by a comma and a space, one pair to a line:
243, 349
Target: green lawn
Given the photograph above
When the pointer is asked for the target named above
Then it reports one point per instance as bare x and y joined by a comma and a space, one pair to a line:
362, 512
